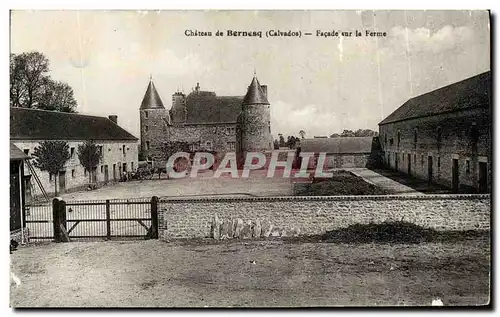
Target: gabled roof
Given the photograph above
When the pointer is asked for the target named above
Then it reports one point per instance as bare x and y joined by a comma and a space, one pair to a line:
255, 95
341, 145
16, 153
32, 124
151, 98
469, 93
207, 107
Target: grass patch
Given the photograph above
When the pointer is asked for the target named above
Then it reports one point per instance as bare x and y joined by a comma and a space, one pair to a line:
340, 184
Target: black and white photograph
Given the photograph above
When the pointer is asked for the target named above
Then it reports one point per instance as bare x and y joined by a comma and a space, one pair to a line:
250, 158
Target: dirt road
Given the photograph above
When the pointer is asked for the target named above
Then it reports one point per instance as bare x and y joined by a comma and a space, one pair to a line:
259, 273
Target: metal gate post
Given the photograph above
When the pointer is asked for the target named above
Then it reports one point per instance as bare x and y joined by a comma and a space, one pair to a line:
108, 220
154, 217
56, 220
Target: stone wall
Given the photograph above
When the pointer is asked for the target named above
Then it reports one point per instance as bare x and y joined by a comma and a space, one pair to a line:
219, 137
455, 142
154, 131
193, 218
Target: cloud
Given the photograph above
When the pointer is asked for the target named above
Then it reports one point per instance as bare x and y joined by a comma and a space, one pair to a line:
423, 39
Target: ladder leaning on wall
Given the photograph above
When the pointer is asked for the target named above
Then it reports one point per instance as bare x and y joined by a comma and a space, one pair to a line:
38, 182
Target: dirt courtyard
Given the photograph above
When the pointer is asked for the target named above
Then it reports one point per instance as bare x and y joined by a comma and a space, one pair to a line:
257, 184
269, 273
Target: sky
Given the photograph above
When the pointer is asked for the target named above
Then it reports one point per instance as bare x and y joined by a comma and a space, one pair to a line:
321, 85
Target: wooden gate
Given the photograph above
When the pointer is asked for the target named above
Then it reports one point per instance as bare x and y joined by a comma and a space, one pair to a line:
96, 220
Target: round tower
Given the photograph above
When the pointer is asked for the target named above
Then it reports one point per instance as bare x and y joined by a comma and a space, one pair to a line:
254, 121
154, 121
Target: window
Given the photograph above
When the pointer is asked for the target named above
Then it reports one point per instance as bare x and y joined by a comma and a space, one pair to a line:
146, 114
208, 144
147, 145
72, 152
385, 139
132, 166
73, 174
422, 160
146, 128
85, 172
50, 177
102, 168
26, 151
467, 166
100, 149
439, 162
399, 137
231, 145
123, 149
415, 158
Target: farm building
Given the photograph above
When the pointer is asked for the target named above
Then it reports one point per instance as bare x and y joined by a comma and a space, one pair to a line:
443, 136
342, 152
17, 197
119, 148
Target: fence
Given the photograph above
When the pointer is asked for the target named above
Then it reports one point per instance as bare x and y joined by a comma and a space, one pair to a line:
94, 219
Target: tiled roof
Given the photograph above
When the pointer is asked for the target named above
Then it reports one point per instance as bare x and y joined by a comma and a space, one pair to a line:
16, 153
207, 107
151, 98
255, 95
341, 145
31, 124
469, 93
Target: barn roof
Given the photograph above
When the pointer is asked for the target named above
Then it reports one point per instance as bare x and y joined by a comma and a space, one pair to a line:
341, 145
472, 92
33, 124
16, 153
207, 107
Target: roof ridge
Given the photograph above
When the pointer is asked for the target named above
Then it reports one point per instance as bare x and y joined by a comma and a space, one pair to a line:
61, 112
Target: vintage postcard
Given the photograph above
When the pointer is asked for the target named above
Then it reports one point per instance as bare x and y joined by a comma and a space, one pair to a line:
250, 158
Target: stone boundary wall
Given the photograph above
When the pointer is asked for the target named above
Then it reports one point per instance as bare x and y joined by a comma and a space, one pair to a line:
309, 215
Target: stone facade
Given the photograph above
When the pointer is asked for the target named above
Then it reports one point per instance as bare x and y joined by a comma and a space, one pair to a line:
205, 121
193, 218
427, 148
118, 156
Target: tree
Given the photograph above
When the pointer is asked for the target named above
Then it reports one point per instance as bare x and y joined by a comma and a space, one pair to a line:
282, 140
335, 135
32, 87
50, 156
302, 133
365, 132
292, 141
347, 133
170, 148
276, 144
89, 155
57, 96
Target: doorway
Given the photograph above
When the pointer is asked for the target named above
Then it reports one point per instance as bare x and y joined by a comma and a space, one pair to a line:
396, 161
429, 169
114, 172
409, 164
454, 175
106, 173
62, 181
483, 177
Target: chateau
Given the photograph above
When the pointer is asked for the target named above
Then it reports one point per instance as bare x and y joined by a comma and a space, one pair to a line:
206, 121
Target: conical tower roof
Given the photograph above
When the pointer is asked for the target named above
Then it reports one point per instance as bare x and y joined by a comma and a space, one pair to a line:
151, 98
255, 95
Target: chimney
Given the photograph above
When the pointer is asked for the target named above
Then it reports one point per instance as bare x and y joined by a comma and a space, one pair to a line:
264, 89
113, 118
